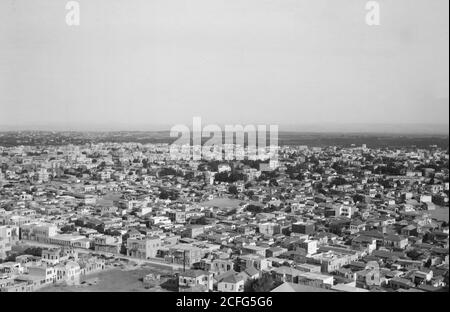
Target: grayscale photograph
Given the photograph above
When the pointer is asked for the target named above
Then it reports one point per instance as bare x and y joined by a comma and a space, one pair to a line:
221, 152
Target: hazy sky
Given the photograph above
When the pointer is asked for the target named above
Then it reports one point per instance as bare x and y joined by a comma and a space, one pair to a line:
143, 63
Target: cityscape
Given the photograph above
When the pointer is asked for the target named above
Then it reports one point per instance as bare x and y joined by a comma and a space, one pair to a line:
224, 154
111, 216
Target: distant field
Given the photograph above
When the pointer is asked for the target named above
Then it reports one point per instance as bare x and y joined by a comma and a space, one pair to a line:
373, 140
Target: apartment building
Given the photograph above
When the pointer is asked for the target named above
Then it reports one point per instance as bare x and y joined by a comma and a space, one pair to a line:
143, 248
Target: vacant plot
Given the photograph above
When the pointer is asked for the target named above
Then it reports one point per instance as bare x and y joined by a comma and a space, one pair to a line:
223, 203
441, 214
111, 280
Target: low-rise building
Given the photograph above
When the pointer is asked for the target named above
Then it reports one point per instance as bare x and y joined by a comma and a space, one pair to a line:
143, 248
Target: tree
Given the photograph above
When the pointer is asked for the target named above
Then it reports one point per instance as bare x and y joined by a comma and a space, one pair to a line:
359, 198
233, 190
263, 284
339, 181
164, 195
231, 212
69, 228
273, 182
250, 193
167, 172
413, 254
254, 209
116, 233
229, 177
34, 251
169, 194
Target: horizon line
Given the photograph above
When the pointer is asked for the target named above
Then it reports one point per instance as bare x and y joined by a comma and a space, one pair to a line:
328, 127
287, 131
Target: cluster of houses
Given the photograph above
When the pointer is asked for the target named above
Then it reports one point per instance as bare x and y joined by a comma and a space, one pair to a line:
349, 219
29, 273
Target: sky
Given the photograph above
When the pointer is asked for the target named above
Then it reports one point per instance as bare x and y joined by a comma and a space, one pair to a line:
300, 64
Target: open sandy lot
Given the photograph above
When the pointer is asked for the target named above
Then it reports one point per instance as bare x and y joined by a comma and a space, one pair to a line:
111, 280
